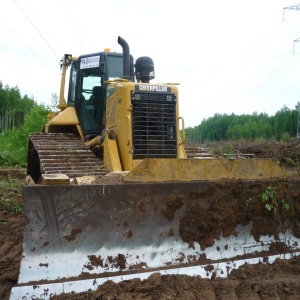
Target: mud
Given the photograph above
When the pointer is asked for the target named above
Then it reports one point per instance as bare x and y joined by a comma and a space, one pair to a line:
226, 206
262, 281
11, 230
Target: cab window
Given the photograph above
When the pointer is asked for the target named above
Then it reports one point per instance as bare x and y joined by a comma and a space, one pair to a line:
115, 67
72, 85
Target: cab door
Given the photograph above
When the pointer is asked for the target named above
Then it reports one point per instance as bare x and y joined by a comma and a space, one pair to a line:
90, 95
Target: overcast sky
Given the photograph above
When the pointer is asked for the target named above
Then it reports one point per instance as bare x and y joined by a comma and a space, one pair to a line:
233, 56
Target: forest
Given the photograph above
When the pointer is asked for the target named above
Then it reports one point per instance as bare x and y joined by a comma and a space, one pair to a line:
283, 125
21, 115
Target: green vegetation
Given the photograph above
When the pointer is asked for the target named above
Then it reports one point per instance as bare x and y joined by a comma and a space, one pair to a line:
282, 126
13, 107
10, 189
11, 206
18, 118
14, 142
271, 202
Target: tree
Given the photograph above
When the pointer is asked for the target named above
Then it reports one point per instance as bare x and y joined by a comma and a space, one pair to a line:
13, 107
254, 126
14, 142
285, 121
54, 102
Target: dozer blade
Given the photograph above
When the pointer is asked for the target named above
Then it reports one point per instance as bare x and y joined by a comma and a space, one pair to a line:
199, 169
76, 237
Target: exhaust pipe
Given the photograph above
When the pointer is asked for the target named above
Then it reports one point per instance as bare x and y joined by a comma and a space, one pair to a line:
126, 58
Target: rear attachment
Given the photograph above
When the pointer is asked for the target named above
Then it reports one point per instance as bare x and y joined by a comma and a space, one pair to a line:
79, 236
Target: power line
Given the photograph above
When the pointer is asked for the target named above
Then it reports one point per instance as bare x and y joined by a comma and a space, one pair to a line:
73, 25
250, 60
24, 44
33, 9
36, 29
248, 63
273, 33
82, 27
284, 62
272, 83
25, 75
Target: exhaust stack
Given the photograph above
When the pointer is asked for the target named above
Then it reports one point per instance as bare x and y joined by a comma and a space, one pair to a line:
126, 58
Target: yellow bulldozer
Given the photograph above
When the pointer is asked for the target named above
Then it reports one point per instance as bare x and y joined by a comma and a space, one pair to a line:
111, 194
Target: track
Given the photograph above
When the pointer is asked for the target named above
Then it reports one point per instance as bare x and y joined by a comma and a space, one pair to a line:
64, 153
61, 153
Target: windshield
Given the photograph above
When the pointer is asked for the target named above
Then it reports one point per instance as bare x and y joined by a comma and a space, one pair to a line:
90, 79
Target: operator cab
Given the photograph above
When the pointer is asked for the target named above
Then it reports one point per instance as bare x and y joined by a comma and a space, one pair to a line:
87, 90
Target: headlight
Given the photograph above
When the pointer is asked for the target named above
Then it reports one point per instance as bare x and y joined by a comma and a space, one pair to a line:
137, 96
169, 97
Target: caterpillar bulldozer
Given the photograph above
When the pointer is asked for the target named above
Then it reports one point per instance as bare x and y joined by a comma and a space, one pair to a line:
111, 195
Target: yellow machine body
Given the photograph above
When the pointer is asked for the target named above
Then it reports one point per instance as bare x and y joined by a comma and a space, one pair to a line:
119, 119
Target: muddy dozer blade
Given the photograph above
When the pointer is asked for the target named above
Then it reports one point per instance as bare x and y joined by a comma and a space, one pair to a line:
78, 236
157, 170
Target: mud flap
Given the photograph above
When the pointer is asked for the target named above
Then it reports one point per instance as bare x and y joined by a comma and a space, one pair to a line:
84, 232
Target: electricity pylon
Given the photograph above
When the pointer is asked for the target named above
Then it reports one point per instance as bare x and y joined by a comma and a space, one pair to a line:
293, 7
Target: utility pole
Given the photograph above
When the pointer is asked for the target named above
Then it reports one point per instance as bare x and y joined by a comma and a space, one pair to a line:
293, 7
295, 41
298, 124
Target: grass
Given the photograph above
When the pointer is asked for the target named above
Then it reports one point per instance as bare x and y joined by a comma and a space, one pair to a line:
3, 222
11, 206
10, 196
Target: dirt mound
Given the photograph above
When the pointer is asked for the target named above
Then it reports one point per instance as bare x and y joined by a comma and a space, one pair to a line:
280, 280
287, 154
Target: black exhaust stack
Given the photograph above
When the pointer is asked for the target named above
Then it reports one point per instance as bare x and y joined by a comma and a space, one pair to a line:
126, 58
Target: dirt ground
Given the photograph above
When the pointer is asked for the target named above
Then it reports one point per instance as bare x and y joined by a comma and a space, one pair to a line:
280, 280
